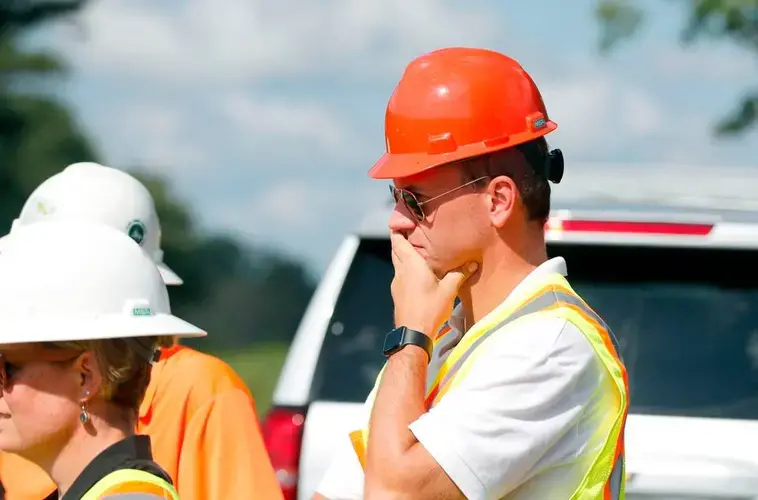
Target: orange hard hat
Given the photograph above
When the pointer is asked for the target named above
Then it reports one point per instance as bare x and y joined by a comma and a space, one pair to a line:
456, 103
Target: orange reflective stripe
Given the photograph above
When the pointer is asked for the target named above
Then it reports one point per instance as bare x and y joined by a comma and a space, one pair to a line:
445, 329
432, 396
614, 486
356, 437
604, 335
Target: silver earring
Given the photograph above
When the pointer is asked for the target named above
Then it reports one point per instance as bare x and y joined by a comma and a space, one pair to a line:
84, 415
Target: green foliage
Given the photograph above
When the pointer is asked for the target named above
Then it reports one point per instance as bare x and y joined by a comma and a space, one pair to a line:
259, 367
20, 15
732, 20
618, 20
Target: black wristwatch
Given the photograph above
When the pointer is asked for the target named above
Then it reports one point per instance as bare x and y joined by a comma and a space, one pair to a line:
402, 336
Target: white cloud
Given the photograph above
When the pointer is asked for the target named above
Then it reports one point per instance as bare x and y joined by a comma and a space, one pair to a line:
149, 134
305, 204
606, 118
712, 62
578, 107
158, 131
238, 40
641, 115
597, 113
290, 121
302, 216
289, 204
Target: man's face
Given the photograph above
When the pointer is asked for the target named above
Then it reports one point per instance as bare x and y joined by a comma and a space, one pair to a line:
455, 226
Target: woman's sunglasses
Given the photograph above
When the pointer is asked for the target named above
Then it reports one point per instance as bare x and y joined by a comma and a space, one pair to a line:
8, 369
416, 207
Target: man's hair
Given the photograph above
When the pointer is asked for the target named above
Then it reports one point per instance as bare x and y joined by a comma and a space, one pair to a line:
526, 164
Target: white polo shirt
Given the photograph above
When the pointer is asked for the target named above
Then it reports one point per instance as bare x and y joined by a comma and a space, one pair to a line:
518, 425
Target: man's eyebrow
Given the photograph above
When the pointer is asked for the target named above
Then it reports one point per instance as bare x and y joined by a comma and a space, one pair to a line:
414, 189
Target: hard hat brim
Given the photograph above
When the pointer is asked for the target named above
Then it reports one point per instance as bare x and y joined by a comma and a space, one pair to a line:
169, 276
41, 329
400, 165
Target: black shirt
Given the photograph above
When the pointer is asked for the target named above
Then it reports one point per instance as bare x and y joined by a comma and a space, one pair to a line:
133, 452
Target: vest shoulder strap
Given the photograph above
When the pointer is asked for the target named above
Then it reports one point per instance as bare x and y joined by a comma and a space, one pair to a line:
131, 484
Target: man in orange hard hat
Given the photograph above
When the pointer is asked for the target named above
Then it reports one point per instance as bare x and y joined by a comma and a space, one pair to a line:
198, 412
500, 381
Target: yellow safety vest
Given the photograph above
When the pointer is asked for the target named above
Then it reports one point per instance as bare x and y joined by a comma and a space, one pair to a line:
552, 296
132, 484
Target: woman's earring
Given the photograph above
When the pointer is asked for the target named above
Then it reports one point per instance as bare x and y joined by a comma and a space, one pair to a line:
84, 415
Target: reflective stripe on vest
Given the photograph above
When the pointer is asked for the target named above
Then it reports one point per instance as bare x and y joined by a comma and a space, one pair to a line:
131, 484
550, 295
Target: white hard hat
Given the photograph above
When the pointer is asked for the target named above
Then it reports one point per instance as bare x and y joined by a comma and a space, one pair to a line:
71, 279
103, 194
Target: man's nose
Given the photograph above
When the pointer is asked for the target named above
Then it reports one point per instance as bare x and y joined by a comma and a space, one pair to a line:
401, 219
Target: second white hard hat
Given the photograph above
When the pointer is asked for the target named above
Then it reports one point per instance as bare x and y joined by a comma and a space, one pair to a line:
103, 194
68, 279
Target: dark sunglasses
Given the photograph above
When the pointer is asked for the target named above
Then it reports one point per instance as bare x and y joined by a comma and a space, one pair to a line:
416, 207
8, 369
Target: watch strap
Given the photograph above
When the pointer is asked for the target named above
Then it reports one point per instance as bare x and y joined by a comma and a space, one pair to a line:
410, 337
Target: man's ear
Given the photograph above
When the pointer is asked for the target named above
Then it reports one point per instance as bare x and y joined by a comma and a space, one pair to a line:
90, 374
503, 197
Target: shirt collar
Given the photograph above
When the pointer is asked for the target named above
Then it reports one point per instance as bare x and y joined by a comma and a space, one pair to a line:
550, 266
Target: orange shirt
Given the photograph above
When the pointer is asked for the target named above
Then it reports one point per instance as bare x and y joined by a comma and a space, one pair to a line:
23, 480
205, 433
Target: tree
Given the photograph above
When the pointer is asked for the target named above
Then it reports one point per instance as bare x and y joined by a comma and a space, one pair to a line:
734, 20
18, 15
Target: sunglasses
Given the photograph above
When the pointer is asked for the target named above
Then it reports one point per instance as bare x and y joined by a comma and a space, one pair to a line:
416, 207
8, 369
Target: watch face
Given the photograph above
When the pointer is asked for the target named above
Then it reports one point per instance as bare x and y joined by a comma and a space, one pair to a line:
392, 340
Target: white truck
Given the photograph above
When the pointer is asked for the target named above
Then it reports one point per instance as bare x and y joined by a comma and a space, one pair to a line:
676, 279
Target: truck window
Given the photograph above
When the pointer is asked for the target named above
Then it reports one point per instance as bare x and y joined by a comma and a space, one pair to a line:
686, 321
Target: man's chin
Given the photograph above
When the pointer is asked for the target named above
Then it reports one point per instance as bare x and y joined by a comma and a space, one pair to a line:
439, 269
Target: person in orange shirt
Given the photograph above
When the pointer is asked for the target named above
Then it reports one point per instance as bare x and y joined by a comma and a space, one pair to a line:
197, 411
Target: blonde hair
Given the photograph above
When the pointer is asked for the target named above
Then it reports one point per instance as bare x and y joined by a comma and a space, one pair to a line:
124, 366
166, 341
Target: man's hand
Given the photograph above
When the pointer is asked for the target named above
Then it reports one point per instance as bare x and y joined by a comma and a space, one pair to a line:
422, 301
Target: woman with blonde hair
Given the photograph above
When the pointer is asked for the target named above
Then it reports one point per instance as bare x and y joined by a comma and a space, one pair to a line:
81, 309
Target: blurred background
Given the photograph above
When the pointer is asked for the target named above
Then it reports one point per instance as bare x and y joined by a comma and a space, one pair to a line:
254, 123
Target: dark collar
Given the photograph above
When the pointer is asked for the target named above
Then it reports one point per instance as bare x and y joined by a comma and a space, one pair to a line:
117, 456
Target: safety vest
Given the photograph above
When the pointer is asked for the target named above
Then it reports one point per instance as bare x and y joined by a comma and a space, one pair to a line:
132, 484
550, 295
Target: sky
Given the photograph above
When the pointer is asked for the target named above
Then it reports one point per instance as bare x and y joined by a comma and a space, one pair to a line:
266, 116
